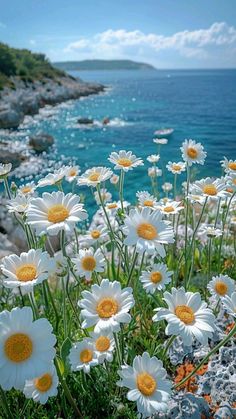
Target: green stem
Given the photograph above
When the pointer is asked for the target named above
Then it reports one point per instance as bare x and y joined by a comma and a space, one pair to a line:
53, 304
205, 359
67, 391
170, 341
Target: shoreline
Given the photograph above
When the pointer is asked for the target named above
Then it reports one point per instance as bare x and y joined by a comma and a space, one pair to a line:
29, 98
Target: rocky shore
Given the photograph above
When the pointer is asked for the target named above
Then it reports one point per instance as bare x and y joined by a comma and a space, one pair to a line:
28, 98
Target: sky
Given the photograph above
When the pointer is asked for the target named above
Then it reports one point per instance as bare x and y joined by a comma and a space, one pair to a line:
165, 33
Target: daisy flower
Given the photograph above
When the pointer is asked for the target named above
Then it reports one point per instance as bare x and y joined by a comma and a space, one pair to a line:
147, 384
193, 152
208, 188
156, 278
26, 347
94, 176
154, 171
55, 212
167, 187
187, 316
106, 196
221, 285
27, 189
229, 165
171, 207
82, 356
230, 181
161, 141
125, 160
104, 345
147, 231
41, 388
153, 158
19, 204
88, 262
96, 234
106, 306
52, 178
114, 179
209, 231
113, 207
176, 168
72, 172
229, 303
27, 270
5, 169
145, 199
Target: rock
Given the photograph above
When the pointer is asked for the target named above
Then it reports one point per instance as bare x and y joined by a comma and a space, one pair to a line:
106, 121
85, 121
10, 117
41, 142
8, 156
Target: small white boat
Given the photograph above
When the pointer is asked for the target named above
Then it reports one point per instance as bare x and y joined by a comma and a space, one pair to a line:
165, 132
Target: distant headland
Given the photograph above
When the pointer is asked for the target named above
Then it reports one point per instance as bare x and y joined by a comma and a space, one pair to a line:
102, 65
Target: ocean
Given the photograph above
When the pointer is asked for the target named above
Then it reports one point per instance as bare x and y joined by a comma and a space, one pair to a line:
198, 104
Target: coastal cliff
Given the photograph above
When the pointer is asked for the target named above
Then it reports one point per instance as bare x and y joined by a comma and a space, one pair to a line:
27, 98
28, 82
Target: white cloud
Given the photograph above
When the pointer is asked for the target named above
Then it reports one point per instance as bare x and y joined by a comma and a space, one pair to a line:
32, 42
198, 44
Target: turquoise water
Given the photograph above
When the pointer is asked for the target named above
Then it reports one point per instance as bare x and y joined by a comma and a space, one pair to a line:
197, 104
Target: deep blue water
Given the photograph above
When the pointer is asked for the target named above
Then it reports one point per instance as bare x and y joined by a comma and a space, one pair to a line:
198, 104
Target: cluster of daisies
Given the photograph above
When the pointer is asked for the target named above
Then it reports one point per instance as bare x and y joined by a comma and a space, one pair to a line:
126, 249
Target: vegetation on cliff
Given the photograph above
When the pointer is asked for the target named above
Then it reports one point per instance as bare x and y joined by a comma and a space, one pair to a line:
24, 64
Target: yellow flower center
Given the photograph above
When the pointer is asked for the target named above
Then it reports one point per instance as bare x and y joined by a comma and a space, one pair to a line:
232, 165
86, 356
112, 206
124, 162
185, 314
94, 177
146, 384
148, 203
210, 189
169, 209
156, 277
95, 234
57, 213
221, 288
234, 181
18, 347
26, 189
192, 152
102, 343
107, 307
73, 172
88, 263
176, 167
26, 272
43, 383
147, 231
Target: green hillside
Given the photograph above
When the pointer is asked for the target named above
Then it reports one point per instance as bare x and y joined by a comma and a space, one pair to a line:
26, 65
102, 65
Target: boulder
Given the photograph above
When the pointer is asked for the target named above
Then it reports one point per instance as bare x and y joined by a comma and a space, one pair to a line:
9, 156
85, 121
10, 117
41, 142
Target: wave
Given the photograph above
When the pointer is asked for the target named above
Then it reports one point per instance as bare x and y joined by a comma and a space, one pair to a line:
114, 123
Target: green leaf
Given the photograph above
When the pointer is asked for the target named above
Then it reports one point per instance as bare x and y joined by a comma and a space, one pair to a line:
65, 349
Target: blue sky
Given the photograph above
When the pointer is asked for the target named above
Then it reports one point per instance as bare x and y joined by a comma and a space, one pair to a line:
166, 33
